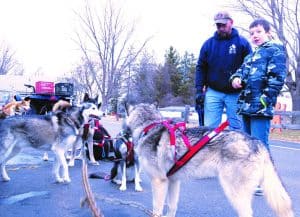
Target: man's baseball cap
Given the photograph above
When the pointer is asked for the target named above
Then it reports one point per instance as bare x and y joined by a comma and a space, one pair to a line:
222, 17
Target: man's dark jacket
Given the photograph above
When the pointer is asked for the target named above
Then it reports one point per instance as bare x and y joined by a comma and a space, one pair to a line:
219, 58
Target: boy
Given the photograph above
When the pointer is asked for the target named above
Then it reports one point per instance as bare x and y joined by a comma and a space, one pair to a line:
261, 77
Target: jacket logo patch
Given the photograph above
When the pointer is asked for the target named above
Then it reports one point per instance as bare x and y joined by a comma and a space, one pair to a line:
232, 49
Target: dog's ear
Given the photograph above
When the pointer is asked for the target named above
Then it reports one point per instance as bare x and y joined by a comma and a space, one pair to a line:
86, 97
99, 105
17, 97
27, 98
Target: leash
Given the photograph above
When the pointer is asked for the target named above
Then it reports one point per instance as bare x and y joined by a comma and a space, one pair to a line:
195, 148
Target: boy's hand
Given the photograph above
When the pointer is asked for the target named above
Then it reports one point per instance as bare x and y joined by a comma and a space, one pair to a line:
236, 83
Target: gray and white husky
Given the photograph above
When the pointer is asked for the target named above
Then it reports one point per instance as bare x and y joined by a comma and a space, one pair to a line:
58, 131
239, 161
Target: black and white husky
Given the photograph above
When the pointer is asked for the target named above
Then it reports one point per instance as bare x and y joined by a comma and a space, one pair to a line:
125, 159
57, 131
239, 161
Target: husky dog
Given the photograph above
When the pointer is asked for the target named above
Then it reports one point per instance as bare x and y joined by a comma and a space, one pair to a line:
97, 140
15, 108
125, 158
57, 131
94, 132
60, 105
239, 161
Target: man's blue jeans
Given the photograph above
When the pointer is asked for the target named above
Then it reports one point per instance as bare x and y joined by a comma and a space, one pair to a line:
258, 127
214, 105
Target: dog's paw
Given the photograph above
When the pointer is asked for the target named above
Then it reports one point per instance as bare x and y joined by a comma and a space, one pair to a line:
138, 188
94, 163
59, 180
45, 157
123, 188
67, 180
6, 179
117, 181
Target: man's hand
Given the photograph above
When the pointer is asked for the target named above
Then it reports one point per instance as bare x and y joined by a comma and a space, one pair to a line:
236, 83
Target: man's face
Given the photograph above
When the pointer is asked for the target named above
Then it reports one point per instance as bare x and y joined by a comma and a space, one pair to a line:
224, 30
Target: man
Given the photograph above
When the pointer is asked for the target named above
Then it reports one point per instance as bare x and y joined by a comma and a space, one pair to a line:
220, 56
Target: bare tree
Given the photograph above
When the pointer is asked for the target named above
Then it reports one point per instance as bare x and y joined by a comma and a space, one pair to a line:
142, 84
82, 78
284, 17
8, 62
107, 44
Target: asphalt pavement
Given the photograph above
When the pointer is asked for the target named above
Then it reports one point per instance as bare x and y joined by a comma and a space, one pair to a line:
32, 191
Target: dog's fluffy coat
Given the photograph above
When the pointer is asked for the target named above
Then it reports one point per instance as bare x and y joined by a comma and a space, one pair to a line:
239, 161
58, 131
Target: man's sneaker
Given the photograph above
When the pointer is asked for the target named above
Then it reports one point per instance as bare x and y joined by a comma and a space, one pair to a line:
258, 191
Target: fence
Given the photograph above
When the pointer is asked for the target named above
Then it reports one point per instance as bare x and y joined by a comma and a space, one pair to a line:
284, 120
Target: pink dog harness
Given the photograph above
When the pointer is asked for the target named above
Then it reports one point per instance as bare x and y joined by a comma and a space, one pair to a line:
192, 150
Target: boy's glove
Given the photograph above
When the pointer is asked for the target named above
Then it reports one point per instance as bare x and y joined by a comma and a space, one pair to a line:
200, 98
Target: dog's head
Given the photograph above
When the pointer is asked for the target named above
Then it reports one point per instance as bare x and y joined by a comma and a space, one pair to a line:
23, 106
17, 107
88, 99
90, 107
142, 114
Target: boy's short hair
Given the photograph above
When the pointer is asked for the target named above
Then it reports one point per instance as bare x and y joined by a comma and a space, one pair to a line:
264, 23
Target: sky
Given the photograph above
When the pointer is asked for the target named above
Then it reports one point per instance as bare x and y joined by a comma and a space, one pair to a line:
41, 31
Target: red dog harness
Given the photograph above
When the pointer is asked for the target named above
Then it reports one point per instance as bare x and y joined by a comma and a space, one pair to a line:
172, 129
99, 131
192, 150
195, 148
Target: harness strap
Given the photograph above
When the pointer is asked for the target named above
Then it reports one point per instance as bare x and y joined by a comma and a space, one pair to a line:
97, 123
130, 152
194, 149
150, 126
172, 128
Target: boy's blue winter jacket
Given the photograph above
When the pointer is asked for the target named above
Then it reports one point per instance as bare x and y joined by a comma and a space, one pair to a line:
262, 74
219, 58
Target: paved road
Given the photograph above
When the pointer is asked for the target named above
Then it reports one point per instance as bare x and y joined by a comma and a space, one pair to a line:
32, 191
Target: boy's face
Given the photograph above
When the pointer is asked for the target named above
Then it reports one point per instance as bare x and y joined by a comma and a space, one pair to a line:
258, 35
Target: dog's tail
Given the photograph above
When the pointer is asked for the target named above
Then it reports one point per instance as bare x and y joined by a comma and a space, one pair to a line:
274, 191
